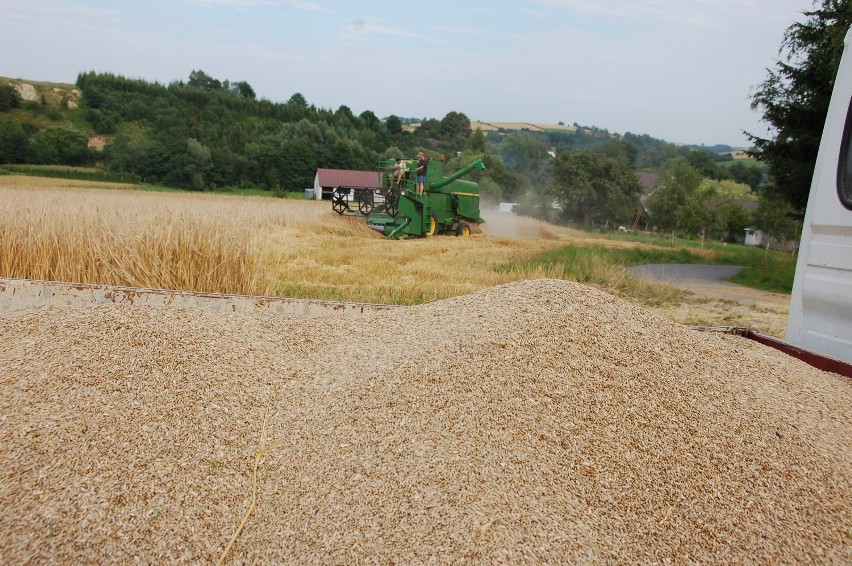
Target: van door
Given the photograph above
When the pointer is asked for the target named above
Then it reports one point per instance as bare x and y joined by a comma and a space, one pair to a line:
820, 317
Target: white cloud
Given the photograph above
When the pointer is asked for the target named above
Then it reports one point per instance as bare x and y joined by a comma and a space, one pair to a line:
243, 4
369, 27
709, 14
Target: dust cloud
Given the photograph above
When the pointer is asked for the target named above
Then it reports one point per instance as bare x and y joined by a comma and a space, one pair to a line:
510, 225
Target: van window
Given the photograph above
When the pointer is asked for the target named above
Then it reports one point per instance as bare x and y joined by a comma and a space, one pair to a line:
844, 172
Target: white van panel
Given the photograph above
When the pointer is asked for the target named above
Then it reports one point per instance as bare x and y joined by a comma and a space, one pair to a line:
820, 316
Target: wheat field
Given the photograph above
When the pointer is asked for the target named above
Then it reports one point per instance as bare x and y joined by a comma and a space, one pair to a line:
245, 245
79, 232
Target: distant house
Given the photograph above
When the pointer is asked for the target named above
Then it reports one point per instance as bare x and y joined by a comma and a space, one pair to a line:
753, 237
327, 180
648, 180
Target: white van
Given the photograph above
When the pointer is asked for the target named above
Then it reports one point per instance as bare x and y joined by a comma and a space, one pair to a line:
820, 317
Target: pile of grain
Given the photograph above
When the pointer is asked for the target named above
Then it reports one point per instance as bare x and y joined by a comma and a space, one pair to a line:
542, 421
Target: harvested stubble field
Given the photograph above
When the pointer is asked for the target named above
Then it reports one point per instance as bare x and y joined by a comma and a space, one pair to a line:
535, 422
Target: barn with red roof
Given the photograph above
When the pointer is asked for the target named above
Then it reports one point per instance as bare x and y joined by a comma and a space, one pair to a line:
327, 180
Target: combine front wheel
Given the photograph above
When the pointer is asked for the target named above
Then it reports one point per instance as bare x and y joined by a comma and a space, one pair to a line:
365, 205
338, 201
433, 226
391, 201
463, 229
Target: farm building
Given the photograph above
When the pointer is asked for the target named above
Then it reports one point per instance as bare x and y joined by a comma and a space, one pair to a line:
753, 237
327, 180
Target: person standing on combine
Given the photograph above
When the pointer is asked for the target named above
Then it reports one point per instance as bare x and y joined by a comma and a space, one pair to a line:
421, 172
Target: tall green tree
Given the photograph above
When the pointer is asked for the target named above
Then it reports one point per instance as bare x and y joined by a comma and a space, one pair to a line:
455, 125
60, 146
200, 79
394, 125
9, 98
14, 143
526, 154
589, 187
794, 97
774, 217
619, 149
675, 188
476, 142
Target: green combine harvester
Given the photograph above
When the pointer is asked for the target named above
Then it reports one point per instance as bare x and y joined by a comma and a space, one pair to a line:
447, 205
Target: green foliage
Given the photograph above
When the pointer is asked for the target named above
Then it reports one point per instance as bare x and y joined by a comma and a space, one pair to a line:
394, 125
794, 97
774, 217
619, 149
685, 202
476, 141
694, 216
730, 189
730, 219
208, 134
60, 146
9, 98
751, 175
587, 187
771, 271
455, 125
526, 154
703, 162
14, 143
672, 192
202, 80
370, 120
429, 128
298, 101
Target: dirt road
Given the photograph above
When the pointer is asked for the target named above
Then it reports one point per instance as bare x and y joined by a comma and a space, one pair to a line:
722, 303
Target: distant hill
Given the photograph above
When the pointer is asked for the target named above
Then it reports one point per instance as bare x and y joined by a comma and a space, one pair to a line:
67, 96
51, 94
206, 134
531, 126
719, 148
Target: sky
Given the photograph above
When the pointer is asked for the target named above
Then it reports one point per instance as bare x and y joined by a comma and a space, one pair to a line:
678, 70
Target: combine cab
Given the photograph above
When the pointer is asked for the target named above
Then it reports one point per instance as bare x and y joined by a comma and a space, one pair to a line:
448, 204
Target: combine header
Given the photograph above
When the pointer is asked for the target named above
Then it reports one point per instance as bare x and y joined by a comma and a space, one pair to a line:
447, 205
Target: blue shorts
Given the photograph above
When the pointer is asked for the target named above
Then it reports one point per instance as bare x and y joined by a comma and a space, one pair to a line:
421, 178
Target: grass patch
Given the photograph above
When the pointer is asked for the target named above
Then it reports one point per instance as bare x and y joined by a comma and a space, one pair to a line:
774, 273
75, 173
604, 266
750, 162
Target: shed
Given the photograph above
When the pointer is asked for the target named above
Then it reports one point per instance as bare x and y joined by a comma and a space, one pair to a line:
753, 237
327, 180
